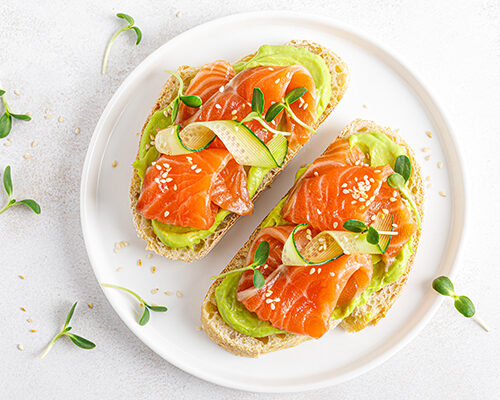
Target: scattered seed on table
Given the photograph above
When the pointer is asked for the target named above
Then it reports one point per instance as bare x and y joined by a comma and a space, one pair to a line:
114, 164
77, 130
168, 293
90, 305
34, 143
17, 92
60, 119
179, 294
20, 347
27, 156
440, 164
442, 194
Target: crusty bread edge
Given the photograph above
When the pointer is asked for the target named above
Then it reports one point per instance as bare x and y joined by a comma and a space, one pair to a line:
340, 79
380, 302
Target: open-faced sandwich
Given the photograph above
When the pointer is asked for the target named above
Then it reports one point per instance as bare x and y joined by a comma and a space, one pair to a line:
218, 135
337, 249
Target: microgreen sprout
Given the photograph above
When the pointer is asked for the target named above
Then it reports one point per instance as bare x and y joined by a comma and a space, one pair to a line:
6, 118
397, 181
372, 235
190, 101
463, 304
259, 258
77, 340
130, 26
7, 184
147, 307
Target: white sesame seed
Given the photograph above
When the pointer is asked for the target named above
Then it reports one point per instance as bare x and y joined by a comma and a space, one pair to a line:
179, 294
199, 328
319, 271
429, 185
26, 156
312, 271
426, 149
198, 170
345, 191
166, 213
344, 185
319, 211
168, 293
218, 106
234, 112
221, 89
335, 224
175, 187
20, 347
154, 291
273, 307
427, 158
353, 202
440, 164
114, 164
119, 269
178, 14
158, 167
194, 166
393, 199
306, 105
332, 273
316, 173
277, 81
429, 134
385, 211
60, 119
442, 194
394, 193
268, 301
169, 179
34, 143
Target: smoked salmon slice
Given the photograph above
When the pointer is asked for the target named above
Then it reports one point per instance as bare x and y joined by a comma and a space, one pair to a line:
301, 299
177, 190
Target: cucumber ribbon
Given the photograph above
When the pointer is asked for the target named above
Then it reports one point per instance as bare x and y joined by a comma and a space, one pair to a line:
327, 246
245, 147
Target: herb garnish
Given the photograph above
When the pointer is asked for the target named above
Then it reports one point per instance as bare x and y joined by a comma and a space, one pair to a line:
6, 118
130, 25
398, 180
77, 340
7, 184
463, 304
259, 258
147, 307
372, 235
190, 101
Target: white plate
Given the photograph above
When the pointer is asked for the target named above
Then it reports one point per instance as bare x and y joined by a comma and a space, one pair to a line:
393, 96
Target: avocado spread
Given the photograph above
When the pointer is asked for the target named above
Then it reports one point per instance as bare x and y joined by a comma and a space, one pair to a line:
380, 150
179, 237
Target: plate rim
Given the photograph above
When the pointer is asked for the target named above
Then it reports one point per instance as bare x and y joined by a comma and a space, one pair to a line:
459, 176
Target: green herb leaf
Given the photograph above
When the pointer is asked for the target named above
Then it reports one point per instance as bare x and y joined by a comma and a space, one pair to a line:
126, 17
465, 306
80, 341
443, 286
158, 308
7, 181
273, 111
257, 101
403, 167
261, 254
5, 125
258, 279
31, 204
145, 317
354, 225
295, 94
22, 117
398, 182
70, 314
138, 33
372, 236
191, 101
2, 92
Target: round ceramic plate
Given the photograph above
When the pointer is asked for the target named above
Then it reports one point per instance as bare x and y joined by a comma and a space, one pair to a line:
382, 89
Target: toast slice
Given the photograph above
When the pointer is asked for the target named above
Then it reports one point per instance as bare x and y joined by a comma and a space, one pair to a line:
378, 304
340, 79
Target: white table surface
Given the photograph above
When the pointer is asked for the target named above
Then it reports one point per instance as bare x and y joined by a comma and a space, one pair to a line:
51, 53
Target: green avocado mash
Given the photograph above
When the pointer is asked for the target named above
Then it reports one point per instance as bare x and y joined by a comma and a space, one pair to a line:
179, 237
380, 150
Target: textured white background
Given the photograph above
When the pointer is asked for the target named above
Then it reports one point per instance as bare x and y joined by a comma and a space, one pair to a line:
51, 52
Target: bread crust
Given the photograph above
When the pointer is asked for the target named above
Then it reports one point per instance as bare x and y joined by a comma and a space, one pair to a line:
340, 79
377, 305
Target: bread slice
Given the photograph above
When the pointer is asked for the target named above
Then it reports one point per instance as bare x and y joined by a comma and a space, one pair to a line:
378, 304
340, 80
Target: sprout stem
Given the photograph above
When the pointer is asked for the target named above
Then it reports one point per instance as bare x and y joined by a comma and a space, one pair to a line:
481, 323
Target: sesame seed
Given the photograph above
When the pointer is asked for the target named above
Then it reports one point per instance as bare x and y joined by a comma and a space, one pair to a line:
344, 185
234, 112
319, 271
33, 330
394, 193
312, 271
385, 211
306, 105
429, 185
335, 224
426, 149
199, 328
198, 170
353, 202
442, 194
77, 130
17, 92
373, 218
221, 89
319, 211
166, 213
168, 293
429, 134
22, 277
115, 163
179, 294
150, 255
393, 199
394, 225
273, 307
27, 156
47, 116
428, 178
178, 14
30, 320
20, 347
175, 187
153, 269
60, 119
23, 309
440, 164
277, 81
119, 269
90, 305
427, 158
316, 173
345, 191
218, 106
194, 166
154, 291
332, 273
34, 143
169, 180
139, 262
268, 301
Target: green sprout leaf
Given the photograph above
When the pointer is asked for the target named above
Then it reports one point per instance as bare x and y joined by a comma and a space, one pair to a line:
191, 101
464, 306
22, 117
7, 181
5, 125
2, 92
403, 167
273, 111
77, 340
397, 181
258, 101
443, 286
175, 109
258, 279
31, 204
354, 225
295, 94
130, 26
261, 254
372, 236
80, 341
146, 314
